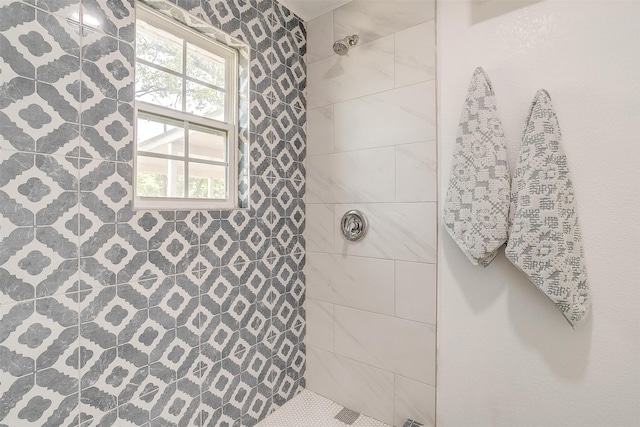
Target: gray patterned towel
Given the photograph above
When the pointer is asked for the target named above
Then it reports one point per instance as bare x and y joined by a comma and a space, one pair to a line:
476, 211
545, 241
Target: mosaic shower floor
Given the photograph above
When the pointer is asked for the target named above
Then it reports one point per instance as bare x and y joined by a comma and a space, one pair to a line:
309, 409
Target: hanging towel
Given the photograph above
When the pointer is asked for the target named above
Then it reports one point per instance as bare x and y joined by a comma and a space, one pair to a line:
476, 211
545, 241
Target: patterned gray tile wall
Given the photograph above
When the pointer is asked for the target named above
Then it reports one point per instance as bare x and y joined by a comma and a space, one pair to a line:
115, 317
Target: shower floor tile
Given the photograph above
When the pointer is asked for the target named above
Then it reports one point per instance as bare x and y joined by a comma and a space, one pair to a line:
309, 409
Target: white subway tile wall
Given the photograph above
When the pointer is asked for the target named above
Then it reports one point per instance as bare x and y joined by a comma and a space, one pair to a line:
374, 19
371, 305
390, 118
400, 231
367, 69
320, 130
416, 54
365, 283
416, 172
353, 384
352, 177
320, 334
322, 30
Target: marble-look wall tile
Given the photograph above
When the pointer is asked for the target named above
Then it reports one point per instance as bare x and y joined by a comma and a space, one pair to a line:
320, 323
364, 283
367, 69
39, 46
400, 231
320, 130
398, 116
415, 50
374, 19
355, 385
382, 289
66, 8
416, 174
320, 37
38, 339
396, 345
38, 226
313, 8
357, 176
414, 400
416, 291
110, 316
319, 231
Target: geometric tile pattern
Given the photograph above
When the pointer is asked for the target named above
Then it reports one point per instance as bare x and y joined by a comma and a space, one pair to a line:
116, 317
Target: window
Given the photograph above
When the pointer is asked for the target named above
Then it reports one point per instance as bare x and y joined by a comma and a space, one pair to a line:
186, 117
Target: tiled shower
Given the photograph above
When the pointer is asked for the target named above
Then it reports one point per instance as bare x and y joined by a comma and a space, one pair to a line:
265, 315
115, 316
371, 143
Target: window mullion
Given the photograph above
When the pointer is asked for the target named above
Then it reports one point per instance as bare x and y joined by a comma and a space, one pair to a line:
158, 67
205, 84
186, 123
186, 159
229, 85
184, 75
182, 159
179, 115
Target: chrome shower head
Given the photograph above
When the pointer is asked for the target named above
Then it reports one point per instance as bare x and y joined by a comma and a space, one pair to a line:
342, 46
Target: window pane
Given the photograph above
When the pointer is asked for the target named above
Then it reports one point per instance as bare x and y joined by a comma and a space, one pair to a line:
207, 181
205, 66
159, 88
162, 135
159, 177
204, 101
158, 47
206, 143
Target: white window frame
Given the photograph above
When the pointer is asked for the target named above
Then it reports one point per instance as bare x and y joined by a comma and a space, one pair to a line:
230, 125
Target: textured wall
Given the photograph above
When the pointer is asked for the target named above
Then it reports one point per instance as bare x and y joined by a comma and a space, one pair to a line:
110, 316
371, 305
506, 356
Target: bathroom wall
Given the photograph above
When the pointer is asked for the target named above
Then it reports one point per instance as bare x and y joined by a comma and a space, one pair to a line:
110, 316
371, 146
506, 356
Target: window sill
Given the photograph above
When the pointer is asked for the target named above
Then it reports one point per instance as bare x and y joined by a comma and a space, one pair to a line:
169, 204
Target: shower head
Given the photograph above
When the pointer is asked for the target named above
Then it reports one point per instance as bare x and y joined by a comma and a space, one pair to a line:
342, 46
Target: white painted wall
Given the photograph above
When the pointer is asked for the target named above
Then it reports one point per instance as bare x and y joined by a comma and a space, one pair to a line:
506, 357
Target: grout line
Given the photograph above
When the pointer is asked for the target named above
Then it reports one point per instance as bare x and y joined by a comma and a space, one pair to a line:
402, 144
395, 57
393, 399
333, 130
438, 207
412, 379
333, 353
369, 257
333, 327
369, 203
390, 316
79, 207
371, 94
395, 173
395, 287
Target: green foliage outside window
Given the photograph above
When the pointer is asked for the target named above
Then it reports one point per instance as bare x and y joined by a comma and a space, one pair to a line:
161, 88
